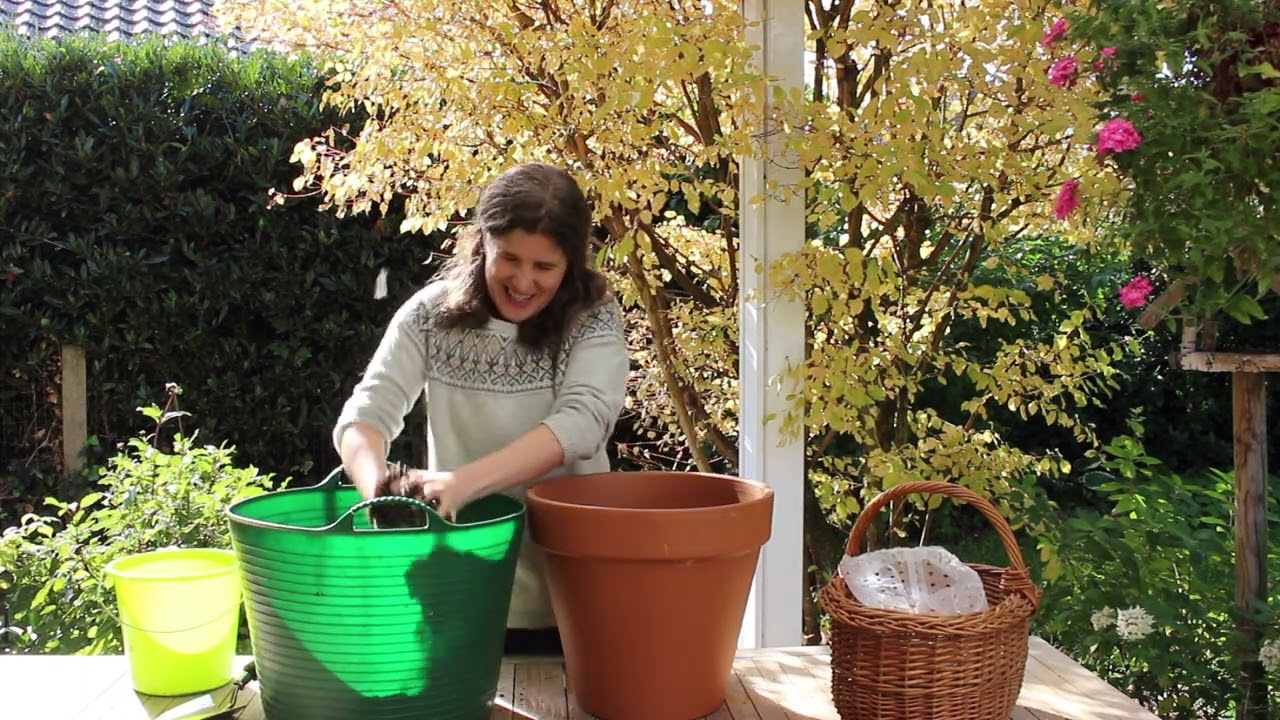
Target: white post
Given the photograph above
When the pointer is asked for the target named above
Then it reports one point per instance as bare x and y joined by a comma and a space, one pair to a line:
772, 335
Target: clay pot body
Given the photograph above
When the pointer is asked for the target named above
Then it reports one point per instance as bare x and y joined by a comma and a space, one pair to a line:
649, 574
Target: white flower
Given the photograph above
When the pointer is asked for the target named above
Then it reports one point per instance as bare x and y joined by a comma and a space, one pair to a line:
380, 285
1103, 618
1134, 623
1269, 655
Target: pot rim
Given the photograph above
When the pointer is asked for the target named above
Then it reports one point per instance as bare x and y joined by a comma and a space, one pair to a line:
766, 493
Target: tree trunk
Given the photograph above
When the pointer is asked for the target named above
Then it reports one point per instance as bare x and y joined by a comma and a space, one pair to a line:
823, 547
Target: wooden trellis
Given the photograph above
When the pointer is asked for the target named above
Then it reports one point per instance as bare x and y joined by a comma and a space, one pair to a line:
1249, 429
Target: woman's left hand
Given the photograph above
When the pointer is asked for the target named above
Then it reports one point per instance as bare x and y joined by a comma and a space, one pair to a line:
449, 492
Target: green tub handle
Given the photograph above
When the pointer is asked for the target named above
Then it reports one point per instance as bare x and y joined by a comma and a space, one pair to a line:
347, 521
332, 480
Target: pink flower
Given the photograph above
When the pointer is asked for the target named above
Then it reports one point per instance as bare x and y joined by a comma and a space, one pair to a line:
1134, 294
1118, 135
1068, 199
1063, 71
1056, 31
1107, 52
1137, 97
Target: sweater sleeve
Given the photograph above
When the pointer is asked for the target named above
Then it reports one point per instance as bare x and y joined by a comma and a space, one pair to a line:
395, 376
593, 385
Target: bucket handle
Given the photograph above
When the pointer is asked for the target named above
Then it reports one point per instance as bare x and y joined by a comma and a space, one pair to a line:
332, 480
102, 580
217, 618
347, 521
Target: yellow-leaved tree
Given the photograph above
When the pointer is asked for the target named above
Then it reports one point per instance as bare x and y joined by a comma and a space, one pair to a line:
934, 142
930, 139
645, 101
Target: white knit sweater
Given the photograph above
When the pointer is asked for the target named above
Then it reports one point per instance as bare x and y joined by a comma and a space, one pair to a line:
483, 389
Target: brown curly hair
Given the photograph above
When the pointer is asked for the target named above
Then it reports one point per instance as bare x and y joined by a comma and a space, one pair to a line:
536, 198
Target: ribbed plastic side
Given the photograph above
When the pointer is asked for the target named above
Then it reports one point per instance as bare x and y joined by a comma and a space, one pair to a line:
351, 622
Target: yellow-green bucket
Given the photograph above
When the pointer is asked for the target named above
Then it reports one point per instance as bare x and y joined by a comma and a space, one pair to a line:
179, 611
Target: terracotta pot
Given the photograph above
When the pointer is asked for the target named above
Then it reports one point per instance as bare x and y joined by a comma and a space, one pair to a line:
649, 574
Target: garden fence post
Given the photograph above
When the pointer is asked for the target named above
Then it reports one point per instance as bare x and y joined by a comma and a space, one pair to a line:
74, 407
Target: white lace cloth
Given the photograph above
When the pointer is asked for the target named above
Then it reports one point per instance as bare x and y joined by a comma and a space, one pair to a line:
915, 580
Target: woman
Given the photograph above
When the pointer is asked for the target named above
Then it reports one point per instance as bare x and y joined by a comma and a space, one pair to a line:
520, 352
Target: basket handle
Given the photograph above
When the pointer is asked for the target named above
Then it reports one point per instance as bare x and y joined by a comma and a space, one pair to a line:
933, 487
347, 521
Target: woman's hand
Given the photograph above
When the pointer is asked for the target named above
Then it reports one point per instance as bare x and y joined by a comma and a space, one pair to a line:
449, 492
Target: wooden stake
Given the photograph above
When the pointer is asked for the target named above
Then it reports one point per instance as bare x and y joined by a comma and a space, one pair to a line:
1249, 398
75, 426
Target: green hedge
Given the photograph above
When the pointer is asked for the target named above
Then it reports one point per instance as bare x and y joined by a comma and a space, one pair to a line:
134, 222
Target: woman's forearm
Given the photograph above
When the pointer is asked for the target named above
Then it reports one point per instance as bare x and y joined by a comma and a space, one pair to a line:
364, 457
524, 460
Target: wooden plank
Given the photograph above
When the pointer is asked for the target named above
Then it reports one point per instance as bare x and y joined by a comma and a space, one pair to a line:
1249, 420
40, 685
505, 693
779, 684
575, 711
808, 685
764, 683
721, 713
1078, 693
1022, 713
254, 710
1041, 692
504, 699
74, 406
1159, 308
736, 699
1228, 362
539, 691
117, 700
121, 702
818, 650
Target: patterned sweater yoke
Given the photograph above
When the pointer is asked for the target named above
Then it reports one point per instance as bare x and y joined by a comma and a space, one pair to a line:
483, 389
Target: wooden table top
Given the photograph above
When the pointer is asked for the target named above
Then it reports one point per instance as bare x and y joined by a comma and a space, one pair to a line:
773, 684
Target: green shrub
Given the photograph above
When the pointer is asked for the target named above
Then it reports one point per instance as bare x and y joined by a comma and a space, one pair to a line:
1165, 547
136, 220
149, 496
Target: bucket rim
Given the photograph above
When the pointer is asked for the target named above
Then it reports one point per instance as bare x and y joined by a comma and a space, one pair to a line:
332, 482
121, 567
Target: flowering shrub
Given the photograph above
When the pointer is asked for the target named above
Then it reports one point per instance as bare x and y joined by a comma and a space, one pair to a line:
1270, 656
1143, 590
1190, 95
1134, 623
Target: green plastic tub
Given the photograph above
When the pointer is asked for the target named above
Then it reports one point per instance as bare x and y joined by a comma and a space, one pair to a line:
349, 621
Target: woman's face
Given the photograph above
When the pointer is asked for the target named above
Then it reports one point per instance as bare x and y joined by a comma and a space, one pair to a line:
522, 272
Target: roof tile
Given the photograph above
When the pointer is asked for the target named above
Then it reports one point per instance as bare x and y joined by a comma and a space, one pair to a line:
117, 19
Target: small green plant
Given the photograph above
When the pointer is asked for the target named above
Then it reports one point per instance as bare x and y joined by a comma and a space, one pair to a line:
1144, 594
149, 496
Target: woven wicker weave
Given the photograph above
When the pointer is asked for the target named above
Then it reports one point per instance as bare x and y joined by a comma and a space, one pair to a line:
890, 665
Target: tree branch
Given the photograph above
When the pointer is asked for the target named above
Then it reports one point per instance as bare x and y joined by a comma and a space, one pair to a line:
667, 258
666, 361
601, 18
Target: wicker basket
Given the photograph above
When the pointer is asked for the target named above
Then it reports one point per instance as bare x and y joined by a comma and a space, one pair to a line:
891, 665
